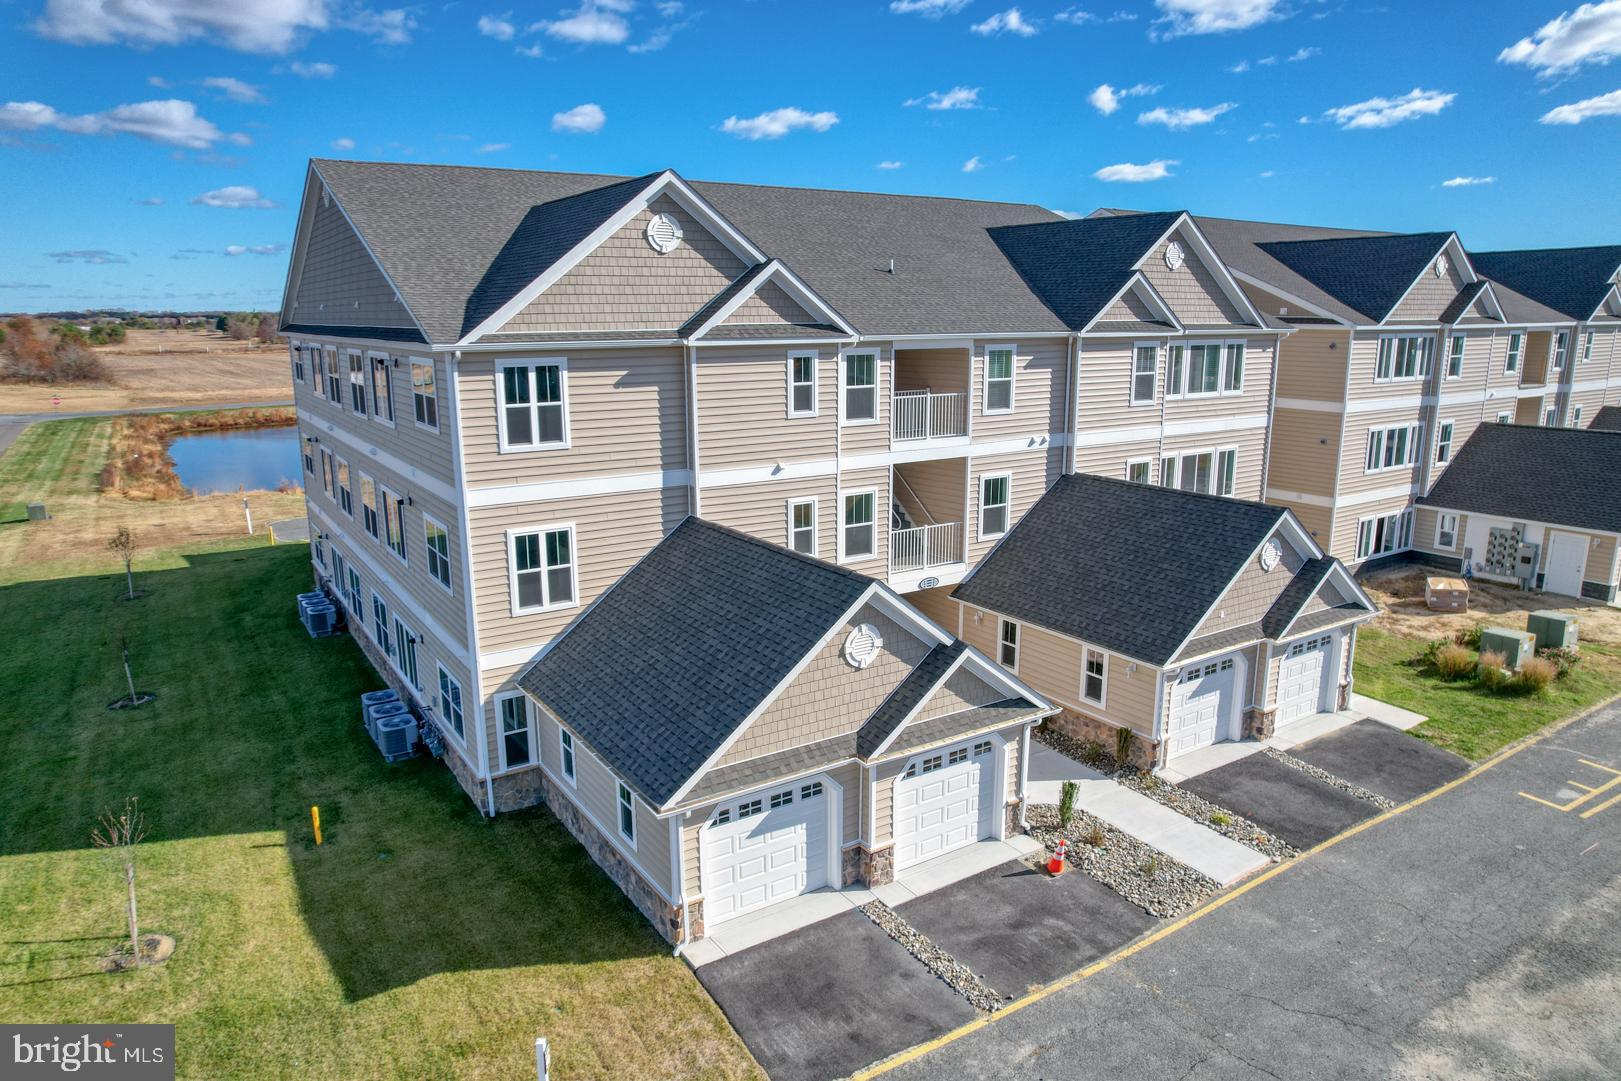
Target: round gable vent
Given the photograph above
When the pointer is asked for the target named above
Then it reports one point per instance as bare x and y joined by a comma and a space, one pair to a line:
1441, 266
1174, 255
1271, 555
663, 234
862, 646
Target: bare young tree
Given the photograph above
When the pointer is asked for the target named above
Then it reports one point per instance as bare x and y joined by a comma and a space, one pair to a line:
123, 543
119, 832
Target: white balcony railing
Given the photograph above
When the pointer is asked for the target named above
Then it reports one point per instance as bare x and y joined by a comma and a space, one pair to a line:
925, 546
918, 414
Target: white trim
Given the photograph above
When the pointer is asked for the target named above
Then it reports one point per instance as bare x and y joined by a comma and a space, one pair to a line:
546, 491
1144, 433
531, 363
1213, 262
1102, 700
453, 417
546, 605
1002, 624
815, 358
403, 469
1132, 401
791, 284
877, 355
372, 357
1137, 282
1012, 379
815, 527
517, 655
429, 553
844, 498
879, 751
1440, 516
568, 755
357, 553
1149, 462
441, 673
432, 364
1461, 261
624, 799
979, 524
1282, 294
499, 699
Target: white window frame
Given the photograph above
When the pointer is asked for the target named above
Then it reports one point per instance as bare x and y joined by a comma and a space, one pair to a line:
1516, 349
1087, 653
1441, 519
568, 756
297, 352
984, 480
625, 800
380, 614
1587, 347
814, 384
1550, 416
354, 591
1367, 529
815, 525
1012, 380
433, 554
332, 377
1178, 460
1168, 467
1422, 365
844, 503
444, 703
433, 368
372, 525
1575, 416
1225, 480
1147, 465
356, 363
844, 386
381, 362
1153, 373
345, 493
1505, 418
329, 474
529, 364
501, 730
407, 638
1002, 643
1561, 346
1457, 345
1380, 437
1182, 390
546, 605
1229, 350
386, 499
1176, 369
1443, 441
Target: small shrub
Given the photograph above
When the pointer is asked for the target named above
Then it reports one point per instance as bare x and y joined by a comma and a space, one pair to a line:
1453, 662
1470, 639
1493, 676
1221, 818
1123, 739
1535, 675
1151, 866
1093, 837
1562, 659
1066, 802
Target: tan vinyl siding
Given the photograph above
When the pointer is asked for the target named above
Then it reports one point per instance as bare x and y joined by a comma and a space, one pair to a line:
933, 491
611, 532
423, 452
340, 284
1130, 307
1249, 445
1040, 372
1191, 290
1429, 295
875, 480
1319, 521
1600, 559
937, 605
1355, 478
942, 371
1424, 523
1305, 451
761, 510
743, 408
1251, 403
770, 304
964, 690
626, 414
865, 437
1031, 474
1311, 364
1347, 517
883, 801
830, 698
625, 285
1104, 392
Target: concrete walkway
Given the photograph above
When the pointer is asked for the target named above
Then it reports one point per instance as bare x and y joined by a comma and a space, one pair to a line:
1155, 824
1394, 716
13, 425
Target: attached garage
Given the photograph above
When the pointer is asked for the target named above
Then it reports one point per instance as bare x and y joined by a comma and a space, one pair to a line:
1204, 705
944, 800
764, 848
1303, 678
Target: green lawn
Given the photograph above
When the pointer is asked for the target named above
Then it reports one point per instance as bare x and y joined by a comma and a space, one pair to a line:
1465, 717
50, 460
419, 941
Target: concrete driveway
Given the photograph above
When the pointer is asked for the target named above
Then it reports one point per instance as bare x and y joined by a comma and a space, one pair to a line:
1289, 802
1383, 760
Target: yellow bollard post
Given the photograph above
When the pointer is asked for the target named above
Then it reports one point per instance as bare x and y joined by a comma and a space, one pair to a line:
315, 819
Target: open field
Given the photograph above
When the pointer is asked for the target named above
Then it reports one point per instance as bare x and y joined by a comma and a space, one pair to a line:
166, 367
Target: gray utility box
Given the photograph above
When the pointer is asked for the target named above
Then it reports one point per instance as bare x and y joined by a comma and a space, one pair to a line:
1553, 630
1515, 646
38, 513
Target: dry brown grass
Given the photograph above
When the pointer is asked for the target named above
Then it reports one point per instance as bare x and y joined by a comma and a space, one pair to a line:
167, 367
1400, 593
138, 464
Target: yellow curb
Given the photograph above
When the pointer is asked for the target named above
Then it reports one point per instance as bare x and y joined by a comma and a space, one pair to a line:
912, 1054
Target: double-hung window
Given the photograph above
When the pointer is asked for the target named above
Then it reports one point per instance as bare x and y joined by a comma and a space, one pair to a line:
1403, 357
1587, 347
353, 591
346, 493
1516, 343
1144, 363
1176, 367
450, 703
1204, 369
357, 384
1505, 418
802, 384
533, 413
425, 394
379, 624
1455, 356
1446, 531
1232, 379
1226, 467
1443, 442
802, 526
859, 531
405, 648
1548, 417
1393, 448
860, 387
999, 379
516, 744
627, 814
1007, 645
334, 382
393, 521
542, 568
437, 541
1195, 471
1095, 676
1140, 470
993, 505
298, 363
565, 747
368, 506
329, 475
1167, 471
309, 459
1575, 416
382, 397
1561, 343
338, 572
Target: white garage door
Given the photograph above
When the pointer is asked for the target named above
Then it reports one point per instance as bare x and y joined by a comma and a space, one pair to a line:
1301, 677
1567, 563
943, 801
1202, 705
764, 849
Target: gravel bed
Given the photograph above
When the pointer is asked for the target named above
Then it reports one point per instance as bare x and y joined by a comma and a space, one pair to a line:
1140, 873
1328, 778
1220, 820
957, 975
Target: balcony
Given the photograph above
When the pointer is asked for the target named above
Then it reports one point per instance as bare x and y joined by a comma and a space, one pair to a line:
922, 414
924, 547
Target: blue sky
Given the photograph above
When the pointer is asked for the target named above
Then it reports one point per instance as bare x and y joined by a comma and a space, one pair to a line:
153, 157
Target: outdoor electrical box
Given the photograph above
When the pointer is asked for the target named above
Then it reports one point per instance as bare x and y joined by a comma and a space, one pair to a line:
1515, 646
1553, 630
38, 513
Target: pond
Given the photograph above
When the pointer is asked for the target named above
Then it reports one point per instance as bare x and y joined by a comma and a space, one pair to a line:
251, 458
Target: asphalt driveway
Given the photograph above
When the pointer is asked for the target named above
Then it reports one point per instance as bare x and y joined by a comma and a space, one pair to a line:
1289, 802
1383, 759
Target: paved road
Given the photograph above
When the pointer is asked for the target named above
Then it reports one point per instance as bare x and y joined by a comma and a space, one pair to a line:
1473, 936
13, 424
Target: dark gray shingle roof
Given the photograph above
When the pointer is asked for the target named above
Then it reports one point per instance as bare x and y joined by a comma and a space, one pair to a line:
1078, 266
1572, 281
1368, 274
1128, 567
382, 334
1560, 476
906, 696
1295, 595
1607, 419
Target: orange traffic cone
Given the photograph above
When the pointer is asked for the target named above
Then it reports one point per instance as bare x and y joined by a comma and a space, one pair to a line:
1055, 865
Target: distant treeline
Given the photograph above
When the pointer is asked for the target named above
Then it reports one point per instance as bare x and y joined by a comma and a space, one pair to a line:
33, 351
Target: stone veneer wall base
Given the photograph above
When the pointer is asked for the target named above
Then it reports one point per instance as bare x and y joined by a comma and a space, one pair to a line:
1144, 752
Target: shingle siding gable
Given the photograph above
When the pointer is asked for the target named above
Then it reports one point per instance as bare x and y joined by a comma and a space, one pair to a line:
340, 284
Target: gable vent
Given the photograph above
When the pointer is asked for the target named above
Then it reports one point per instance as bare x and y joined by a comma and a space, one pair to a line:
663, 233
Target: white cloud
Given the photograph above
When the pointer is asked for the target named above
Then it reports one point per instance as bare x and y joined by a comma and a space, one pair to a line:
1386, 112
1265, 173
171, 122
973, 165
498, 27
1075, 17
236, 89
494, 148
1468, 181
777, 123
343, 143
255, 26
1011, 21
255, 249
318, 69
391, 27
1577, 111
1240, 68
890, 164
1106, 99
97, 256
239, 138
1131, 173
1183, 119
958, 97
151, 200
1589, 35
1303, 53
534, 52
929, 9
592, 24
1215, 16
580, 120
158, 81
234, 197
